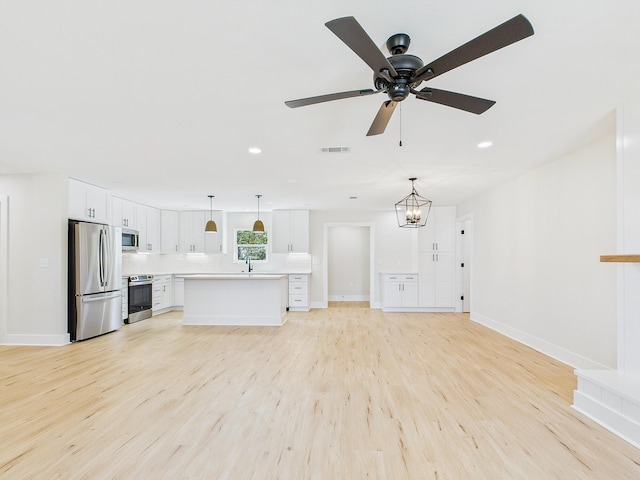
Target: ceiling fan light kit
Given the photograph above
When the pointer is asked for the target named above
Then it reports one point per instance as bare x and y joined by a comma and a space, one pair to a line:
400, 74
413, 210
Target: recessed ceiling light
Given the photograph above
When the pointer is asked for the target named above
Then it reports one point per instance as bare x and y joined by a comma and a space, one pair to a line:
255, 150
486, 144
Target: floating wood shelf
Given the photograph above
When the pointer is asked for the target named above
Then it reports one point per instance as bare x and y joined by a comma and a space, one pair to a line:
620, 258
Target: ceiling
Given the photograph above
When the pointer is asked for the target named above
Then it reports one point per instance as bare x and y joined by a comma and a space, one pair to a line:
159, 100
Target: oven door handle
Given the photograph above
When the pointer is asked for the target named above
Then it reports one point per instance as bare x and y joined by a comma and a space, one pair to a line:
139, 284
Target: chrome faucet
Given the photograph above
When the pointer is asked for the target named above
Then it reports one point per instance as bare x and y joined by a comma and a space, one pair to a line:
248, 262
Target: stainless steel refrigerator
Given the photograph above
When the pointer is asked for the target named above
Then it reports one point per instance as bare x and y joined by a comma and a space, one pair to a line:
95, 279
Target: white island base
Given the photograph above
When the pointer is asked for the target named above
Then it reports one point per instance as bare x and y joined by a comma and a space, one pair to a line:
247, 299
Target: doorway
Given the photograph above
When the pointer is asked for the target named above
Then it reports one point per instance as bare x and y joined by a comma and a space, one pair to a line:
348, 263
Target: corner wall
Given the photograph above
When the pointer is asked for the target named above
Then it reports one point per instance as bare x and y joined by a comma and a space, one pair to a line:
536, 274
37, 259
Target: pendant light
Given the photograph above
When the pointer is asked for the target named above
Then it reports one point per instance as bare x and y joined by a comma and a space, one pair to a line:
258, 226
413, 210
211, 225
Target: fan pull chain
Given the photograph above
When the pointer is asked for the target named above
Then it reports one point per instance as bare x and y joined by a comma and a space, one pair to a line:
400, 125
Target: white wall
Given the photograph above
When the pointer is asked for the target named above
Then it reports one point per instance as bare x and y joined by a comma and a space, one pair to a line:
536, 274
628, 125
37, 230
348, 263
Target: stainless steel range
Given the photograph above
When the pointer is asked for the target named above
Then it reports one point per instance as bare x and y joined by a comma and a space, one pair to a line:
140, 301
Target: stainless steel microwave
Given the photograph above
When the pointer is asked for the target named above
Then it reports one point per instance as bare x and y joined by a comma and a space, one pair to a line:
130, 240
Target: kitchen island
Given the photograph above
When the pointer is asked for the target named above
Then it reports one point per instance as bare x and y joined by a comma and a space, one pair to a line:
235, 299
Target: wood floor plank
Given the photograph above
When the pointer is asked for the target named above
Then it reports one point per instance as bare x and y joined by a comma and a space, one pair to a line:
342, 393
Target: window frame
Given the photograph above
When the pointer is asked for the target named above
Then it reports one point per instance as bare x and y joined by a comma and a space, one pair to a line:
236, 245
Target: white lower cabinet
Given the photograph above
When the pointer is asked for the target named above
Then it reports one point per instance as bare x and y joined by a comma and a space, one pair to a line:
125, 298
299, 293
162, 293
399, 291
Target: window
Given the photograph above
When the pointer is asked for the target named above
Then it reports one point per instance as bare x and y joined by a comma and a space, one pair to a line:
251, 244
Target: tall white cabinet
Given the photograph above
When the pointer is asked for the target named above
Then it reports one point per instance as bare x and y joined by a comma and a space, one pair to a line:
436, 260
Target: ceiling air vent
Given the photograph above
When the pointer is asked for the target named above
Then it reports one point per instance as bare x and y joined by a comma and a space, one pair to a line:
335, 149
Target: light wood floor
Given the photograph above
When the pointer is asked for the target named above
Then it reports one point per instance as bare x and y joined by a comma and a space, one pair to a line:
341, 393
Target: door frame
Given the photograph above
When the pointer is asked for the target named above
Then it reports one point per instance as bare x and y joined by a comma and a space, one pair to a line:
4, 267
325, 260
459, 272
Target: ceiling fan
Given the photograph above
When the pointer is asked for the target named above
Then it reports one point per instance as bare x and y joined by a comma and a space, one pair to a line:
400, 74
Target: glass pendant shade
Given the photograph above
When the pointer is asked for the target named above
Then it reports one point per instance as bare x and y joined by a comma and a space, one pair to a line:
211, 225
258, 226
413, 210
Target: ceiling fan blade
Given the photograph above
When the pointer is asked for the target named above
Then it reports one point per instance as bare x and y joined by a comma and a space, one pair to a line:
382, 118
327, 98
353, 35
501, 36
456, 100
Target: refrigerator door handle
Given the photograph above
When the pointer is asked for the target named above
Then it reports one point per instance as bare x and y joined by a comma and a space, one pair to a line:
107, 256
101, 298
101, 257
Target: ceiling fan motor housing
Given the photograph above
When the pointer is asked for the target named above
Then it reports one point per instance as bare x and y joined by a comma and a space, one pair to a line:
398, 43
405, 66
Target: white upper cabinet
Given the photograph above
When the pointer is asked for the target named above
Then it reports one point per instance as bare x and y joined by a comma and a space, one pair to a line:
123, 213
192, 232
213, 240
88, 202
290, 231
170, 231
148, 224
438, 234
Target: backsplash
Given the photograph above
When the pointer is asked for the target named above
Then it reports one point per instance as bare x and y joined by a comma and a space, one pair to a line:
135, 263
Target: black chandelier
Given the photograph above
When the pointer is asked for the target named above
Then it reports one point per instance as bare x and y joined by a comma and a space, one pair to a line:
413, 210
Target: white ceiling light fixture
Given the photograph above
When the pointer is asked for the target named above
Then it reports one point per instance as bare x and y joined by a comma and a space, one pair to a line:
211, 225
485, 144
255, 150
258, 226
413, 210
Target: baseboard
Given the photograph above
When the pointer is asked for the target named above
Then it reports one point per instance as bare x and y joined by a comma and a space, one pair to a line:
613, 421
554, 351
37, 340
348, 298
